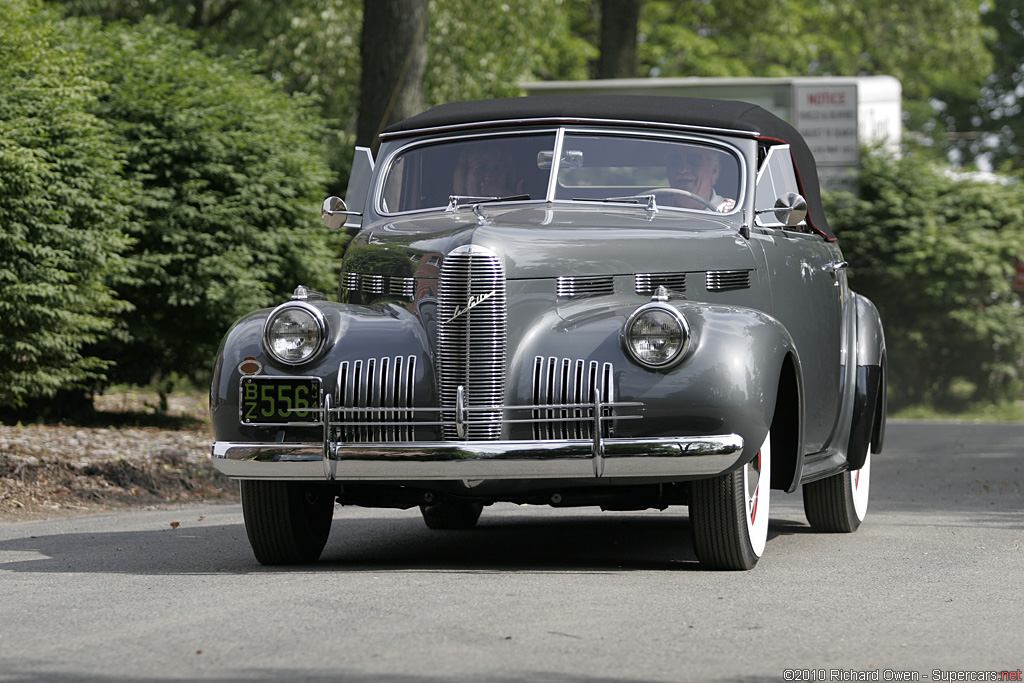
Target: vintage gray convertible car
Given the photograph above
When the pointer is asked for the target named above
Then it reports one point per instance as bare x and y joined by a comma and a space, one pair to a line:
623, 302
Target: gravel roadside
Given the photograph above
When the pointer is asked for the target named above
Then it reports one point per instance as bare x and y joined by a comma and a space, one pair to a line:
57, 470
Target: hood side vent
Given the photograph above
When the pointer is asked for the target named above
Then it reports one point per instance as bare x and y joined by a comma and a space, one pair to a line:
379, 284
725, 280
647, 283
569, 287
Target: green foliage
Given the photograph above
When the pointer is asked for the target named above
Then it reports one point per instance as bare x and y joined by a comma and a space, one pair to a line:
993, 126
476, 49
62, 224
935, 252
491, 47
937, 48
230, 175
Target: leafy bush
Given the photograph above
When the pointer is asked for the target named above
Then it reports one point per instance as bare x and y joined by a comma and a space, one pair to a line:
150, 194
62, 222
231, 179
935, 251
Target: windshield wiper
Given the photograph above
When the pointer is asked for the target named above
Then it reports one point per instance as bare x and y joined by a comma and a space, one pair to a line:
647, 199
456, 201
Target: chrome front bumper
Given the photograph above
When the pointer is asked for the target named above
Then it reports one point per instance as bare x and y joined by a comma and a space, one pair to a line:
683, 457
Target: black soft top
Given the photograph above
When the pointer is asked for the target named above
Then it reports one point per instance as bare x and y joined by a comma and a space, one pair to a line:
724, 116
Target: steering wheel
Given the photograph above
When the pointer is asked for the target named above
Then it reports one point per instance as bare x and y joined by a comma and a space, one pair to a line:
681, 193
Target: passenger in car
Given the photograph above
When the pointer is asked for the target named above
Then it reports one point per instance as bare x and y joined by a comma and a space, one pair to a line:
695, 170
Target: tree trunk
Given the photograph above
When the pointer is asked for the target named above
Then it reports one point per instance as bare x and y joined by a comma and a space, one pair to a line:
619, 20
394, 57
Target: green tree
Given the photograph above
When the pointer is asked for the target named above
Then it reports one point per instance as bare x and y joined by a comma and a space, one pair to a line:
937, 48
391, 86
62, 221
993, 125
475, 49
935, 252
230, 174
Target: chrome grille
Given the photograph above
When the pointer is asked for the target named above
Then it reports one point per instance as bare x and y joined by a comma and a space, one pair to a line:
585, 286
384, 387
471, 340
647, 283
722, 280
560, 381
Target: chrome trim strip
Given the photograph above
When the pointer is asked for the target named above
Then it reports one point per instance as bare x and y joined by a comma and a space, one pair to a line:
680, 456
568, 121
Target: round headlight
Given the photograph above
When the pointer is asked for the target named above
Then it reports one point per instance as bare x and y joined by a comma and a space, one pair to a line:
656, 335
294, 333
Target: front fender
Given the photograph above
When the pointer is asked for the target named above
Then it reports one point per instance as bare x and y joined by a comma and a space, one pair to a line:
727, 382
355, 333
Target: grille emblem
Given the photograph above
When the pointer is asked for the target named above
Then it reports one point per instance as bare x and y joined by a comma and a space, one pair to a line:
472, 303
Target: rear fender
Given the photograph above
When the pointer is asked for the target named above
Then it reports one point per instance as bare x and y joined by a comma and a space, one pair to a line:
869, 402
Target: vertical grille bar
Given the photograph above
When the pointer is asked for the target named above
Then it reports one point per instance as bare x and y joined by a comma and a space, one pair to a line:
472, 338
562, 381
382, 391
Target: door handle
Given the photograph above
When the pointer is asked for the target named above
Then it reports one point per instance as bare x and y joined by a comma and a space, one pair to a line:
835, 266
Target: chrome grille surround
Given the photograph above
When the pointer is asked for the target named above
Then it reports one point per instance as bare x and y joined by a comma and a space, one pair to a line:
568, 387
724, 280
568, 286
647, 283
472, 337
375, 400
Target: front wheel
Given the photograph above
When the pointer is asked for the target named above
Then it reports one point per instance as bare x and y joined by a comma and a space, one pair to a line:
287, 522
840, 502
729, 514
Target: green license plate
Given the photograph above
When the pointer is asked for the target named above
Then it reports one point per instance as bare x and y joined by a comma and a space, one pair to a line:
280, 400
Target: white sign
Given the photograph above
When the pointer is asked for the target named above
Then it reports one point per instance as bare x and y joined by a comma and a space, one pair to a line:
826, 116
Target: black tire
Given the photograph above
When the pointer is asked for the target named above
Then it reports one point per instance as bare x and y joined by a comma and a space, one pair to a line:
729, 515
451, 514
838, 503
287, 522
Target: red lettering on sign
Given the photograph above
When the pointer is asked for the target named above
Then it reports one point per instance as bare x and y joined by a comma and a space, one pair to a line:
825, 98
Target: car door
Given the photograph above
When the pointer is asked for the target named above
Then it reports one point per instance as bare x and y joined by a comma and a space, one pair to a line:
808, 293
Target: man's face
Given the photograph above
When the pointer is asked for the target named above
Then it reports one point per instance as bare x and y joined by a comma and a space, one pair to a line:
486, 173
692, 169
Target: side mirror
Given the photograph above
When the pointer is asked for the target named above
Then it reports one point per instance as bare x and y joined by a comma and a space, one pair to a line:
790, 209
334, 213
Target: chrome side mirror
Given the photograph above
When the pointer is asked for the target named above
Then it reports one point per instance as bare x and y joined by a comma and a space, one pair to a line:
334, 213
790, 209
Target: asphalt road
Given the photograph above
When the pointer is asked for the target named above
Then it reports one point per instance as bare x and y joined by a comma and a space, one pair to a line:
931, 584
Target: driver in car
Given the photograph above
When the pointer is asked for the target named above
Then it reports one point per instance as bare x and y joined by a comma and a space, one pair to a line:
482, 171
694, 170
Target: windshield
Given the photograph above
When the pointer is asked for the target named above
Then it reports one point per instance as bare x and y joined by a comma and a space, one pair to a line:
590, 167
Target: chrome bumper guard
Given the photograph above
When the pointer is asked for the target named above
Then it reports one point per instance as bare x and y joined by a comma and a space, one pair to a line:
675, 456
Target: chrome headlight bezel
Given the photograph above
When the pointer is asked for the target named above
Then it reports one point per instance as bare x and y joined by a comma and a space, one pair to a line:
630, 339
312, 350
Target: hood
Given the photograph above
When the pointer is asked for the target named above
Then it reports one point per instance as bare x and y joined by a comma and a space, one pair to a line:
552, 241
